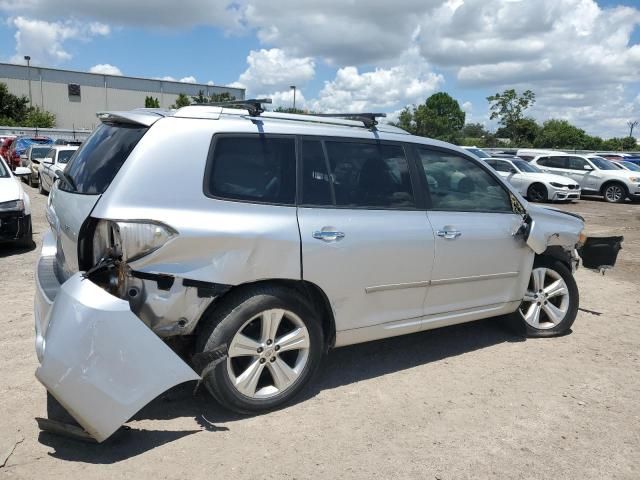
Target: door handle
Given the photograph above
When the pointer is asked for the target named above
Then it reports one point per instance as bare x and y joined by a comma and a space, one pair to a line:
449, 234
328, 236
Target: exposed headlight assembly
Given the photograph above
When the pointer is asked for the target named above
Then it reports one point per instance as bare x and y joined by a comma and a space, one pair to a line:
635, 179
558, 185
12, 206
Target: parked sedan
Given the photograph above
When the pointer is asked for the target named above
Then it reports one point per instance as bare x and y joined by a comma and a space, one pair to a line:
20, 145
55, 160
15, 207
31, 159
532, 182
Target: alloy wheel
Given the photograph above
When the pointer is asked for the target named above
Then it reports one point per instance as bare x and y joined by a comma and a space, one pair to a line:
268, 354
614, 193
536, 194
546, 301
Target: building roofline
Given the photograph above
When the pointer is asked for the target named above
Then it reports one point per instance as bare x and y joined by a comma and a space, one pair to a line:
174, 82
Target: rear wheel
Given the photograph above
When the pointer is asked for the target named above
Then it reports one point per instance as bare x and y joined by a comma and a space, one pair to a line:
537, 192
274, 343
551, 301
614, 192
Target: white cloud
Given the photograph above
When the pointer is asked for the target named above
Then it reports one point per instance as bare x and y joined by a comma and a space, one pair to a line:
44, 41
467, 107
159, 13
105, 69
274, 69
410, 81
189, 79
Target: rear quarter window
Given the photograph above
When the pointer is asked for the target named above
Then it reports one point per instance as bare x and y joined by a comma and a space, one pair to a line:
253, 168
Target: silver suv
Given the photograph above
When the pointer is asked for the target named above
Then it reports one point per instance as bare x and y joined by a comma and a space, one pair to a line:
254, 242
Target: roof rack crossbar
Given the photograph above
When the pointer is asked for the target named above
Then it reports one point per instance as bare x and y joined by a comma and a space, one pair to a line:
253, 105
369, 119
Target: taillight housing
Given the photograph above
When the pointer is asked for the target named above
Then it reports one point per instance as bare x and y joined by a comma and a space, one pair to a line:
129, 240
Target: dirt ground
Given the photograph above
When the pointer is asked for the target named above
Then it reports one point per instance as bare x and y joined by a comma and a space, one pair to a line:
471, 401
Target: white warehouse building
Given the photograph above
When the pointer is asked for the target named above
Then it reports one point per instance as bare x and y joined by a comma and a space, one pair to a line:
76, 97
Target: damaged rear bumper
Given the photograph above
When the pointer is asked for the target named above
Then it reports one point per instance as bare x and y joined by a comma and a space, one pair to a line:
97, 358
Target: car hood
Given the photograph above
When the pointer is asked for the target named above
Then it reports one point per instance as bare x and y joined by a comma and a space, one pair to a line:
10, 189
549, 177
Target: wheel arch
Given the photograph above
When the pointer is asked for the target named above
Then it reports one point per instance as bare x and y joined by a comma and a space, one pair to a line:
558, 253
604, 186
538, 184
316, 297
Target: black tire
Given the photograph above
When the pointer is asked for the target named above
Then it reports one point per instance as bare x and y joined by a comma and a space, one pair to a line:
563, 326
27, 240
229, 317
40, 187
537, 192
614, 192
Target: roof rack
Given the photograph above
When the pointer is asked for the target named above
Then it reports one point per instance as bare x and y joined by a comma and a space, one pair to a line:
253, 105
368, 119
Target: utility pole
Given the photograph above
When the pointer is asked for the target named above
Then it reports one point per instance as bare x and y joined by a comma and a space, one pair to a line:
632, 124
293, 87
28, 59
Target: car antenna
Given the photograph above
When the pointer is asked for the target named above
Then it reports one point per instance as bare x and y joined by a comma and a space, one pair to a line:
253, 105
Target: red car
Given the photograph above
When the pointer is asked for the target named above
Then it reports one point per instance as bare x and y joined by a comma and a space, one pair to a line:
20, 145
4, 147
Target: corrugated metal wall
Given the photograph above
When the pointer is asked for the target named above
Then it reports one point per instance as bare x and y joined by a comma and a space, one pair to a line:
49, 90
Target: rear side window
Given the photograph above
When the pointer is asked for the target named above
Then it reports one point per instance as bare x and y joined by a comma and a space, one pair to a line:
65, 155
553, 162
253, 168
369, 175
100, 157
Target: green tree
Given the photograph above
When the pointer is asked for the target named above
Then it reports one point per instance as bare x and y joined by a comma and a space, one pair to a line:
629, 143
13, 109
560, 134
474, 130
37, 118
221, 97
150, 102
182, 101
509, 107
290, 110
439, 117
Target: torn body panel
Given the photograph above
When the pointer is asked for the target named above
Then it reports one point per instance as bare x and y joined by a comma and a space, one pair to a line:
547, 228
100, 361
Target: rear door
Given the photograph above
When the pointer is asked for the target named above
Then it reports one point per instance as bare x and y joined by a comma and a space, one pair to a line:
91, 170
576, 171
478, 262
365, 240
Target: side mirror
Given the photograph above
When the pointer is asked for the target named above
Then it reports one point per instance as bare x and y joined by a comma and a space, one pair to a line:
588, 167
48, 160
21, 171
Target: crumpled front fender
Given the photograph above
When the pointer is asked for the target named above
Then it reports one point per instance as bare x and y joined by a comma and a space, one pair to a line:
101, 362
550, 227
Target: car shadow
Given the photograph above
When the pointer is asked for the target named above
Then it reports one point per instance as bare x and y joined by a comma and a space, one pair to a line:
9, 249
341, 367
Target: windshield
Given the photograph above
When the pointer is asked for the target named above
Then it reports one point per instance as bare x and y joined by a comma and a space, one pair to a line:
39, 152
65, 155
526, 166
602, 164
631, 166
100, 157
478, 152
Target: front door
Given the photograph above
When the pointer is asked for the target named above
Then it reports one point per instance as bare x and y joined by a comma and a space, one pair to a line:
478, 263
365, 242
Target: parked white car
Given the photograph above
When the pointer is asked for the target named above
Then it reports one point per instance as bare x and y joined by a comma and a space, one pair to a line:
15, 206
54, 161
533, 183
531, 153
265, 239
595, 175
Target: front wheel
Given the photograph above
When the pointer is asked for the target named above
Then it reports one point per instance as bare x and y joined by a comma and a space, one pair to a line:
537, 193
614, 192
274, 342
551, 301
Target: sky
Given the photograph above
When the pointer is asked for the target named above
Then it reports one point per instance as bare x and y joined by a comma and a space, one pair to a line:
580, 57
